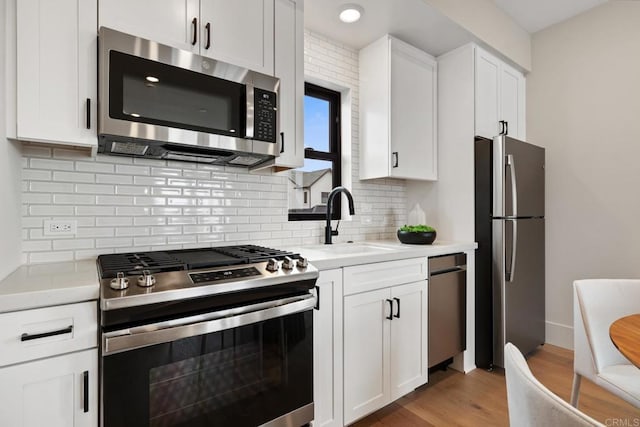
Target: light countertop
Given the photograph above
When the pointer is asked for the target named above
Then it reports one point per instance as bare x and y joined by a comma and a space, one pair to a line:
41, 285
337, 255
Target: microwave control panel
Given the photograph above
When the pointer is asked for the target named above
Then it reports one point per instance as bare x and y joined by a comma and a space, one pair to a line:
265, 115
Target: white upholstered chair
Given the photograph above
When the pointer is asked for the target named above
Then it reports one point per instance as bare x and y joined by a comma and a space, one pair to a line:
597, 303
531, 403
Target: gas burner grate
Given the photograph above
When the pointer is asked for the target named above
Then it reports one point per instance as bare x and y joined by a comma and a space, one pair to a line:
254, 253
185, 259
134, 263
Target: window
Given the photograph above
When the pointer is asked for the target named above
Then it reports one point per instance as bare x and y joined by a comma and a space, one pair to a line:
310, 185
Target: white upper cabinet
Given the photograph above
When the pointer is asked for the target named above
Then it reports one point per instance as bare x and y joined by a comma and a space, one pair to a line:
172, 22
240, 32
500, 97
289, 68
56, 77
398, 111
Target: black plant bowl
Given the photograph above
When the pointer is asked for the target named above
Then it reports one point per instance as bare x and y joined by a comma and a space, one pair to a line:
417, 237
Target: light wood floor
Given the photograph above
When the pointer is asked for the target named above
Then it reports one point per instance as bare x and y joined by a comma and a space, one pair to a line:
480, 397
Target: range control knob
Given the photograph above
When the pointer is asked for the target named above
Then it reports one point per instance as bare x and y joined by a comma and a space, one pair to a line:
288, 263
146, 280
120, 282
302, 262
272, 265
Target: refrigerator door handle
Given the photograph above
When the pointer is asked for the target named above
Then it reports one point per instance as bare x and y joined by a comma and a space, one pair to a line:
514, 188
510, 273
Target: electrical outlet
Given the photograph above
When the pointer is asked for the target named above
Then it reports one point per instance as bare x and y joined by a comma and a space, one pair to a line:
60, 227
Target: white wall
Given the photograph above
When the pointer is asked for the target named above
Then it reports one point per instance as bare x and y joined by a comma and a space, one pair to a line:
10, 161
488, 23
123, 204
583, 105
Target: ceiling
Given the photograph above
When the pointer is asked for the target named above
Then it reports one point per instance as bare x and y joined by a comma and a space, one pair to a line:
421, 25
410, 20
534, 15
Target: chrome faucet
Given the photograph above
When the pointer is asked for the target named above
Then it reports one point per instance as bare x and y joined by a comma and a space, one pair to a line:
328, 232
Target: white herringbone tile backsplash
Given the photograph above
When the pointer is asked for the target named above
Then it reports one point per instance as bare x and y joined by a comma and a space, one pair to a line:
123, 204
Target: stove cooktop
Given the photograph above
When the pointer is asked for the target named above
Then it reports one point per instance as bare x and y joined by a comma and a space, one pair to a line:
142, 278
185, 259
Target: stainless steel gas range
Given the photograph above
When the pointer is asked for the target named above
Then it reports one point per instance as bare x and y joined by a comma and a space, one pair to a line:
207, 337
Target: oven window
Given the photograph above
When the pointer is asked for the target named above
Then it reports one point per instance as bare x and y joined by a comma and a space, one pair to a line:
151, 92
241, 377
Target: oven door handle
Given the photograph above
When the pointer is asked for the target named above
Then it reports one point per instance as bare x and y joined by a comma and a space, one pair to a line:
171, 330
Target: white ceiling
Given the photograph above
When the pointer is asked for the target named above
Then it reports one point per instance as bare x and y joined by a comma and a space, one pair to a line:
534, 15
421, 25
410, 20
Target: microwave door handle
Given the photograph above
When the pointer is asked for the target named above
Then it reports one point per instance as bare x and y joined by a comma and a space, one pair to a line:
249, 131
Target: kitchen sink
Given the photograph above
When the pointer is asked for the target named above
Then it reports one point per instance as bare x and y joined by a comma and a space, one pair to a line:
349, 248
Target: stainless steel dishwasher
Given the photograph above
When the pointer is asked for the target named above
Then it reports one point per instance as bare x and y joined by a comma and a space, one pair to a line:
447, 307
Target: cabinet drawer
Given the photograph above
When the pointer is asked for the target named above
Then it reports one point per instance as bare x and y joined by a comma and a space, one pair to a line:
43, 332
362, 278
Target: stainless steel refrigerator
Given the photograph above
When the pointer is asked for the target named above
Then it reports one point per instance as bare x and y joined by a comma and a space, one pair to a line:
510, 268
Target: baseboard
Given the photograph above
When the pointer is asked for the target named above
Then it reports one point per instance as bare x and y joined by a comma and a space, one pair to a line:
560, 335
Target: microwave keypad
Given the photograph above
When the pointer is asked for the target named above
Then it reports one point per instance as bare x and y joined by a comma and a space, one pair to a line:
265, 115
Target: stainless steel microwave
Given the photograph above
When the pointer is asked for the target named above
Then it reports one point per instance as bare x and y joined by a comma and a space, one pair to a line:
159, 102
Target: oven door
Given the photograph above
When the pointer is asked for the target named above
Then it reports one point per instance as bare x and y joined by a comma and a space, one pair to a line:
245, 366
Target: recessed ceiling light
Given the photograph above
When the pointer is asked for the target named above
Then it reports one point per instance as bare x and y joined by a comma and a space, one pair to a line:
152, 79
350, 13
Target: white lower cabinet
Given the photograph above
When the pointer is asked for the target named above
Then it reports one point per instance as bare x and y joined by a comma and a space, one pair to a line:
327, 342
59, 391
385, 346
409, 338
49, 366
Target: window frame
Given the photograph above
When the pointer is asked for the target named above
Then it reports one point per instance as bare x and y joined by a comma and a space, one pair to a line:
335, 147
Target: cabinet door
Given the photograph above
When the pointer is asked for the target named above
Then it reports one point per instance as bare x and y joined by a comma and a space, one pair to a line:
172, 24
408, 338
327, 342
366, 353
512, 103
56, 71
239, 32
51, 392
487, 94
413, 113
289, 68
